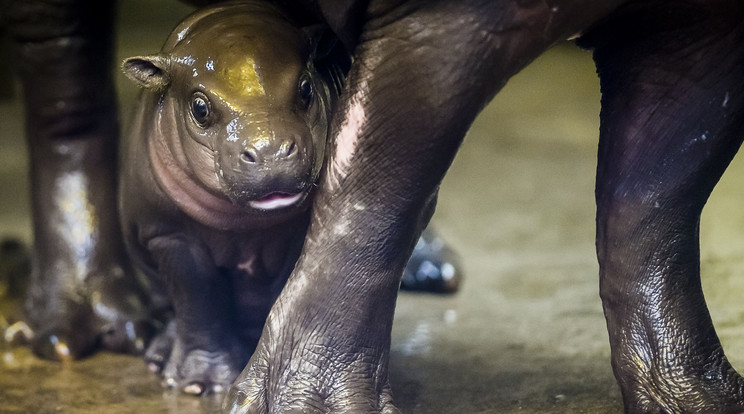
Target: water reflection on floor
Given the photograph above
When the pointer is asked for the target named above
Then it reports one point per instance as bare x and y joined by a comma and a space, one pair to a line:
105, 383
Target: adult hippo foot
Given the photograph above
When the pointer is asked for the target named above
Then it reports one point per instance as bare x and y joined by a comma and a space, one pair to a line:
160, 348
706, 395
259, 390
107, 311
293, 373
718, 388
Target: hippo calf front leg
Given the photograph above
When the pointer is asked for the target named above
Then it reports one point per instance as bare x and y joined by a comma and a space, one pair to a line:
207, 350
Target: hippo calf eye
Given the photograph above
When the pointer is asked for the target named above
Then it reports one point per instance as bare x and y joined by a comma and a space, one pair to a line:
306, 91
200, 109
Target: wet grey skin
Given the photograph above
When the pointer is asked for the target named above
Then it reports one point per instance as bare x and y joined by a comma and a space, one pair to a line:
671, 121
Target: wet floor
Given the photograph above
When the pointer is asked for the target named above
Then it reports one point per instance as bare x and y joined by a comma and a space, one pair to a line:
526, 332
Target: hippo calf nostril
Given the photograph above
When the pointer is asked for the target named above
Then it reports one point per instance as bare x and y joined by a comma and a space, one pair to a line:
248, 157
292, 149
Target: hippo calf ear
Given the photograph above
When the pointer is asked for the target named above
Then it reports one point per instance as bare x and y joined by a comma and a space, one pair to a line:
149, 72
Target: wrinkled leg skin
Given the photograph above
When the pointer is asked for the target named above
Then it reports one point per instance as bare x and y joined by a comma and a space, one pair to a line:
411, 95
82, 292
672, 119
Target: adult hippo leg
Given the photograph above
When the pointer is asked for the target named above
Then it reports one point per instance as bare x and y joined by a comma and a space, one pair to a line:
672, 119
81, 292
421, 73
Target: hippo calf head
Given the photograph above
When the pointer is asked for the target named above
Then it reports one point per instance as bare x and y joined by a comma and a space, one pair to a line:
243, 111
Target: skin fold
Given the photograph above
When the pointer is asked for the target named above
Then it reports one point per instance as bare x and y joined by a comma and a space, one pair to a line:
422, 70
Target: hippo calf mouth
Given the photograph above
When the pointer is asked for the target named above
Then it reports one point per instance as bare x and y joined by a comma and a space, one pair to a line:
277, 200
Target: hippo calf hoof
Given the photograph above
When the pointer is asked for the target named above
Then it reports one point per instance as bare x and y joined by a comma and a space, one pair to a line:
66, 343
127, 337
70, 334
201, 372
433, 266
159, 350
195, 371
79, 329
62, 344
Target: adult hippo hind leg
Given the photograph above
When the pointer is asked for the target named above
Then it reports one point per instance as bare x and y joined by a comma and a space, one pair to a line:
672, 119
82, 293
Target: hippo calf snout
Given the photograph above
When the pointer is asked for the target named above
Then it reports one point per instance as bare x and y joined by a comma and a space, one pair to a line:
258, 167
287, 150
256, 177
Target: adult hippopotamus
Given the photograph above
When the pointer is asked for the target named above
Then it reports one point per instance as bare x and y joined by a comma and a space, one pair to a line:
671, 120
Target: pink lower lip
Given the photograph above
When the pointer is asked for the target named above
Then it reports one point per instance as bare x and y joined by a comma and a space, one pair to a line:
275, 201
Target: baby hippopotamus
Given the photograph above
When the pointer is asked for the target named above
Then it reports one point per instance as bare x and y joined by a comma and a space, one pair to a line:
217, 173
218, 170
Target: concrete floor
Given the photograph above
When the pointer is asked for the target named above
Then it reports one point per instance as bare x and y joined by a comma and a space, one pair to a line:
525, 333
